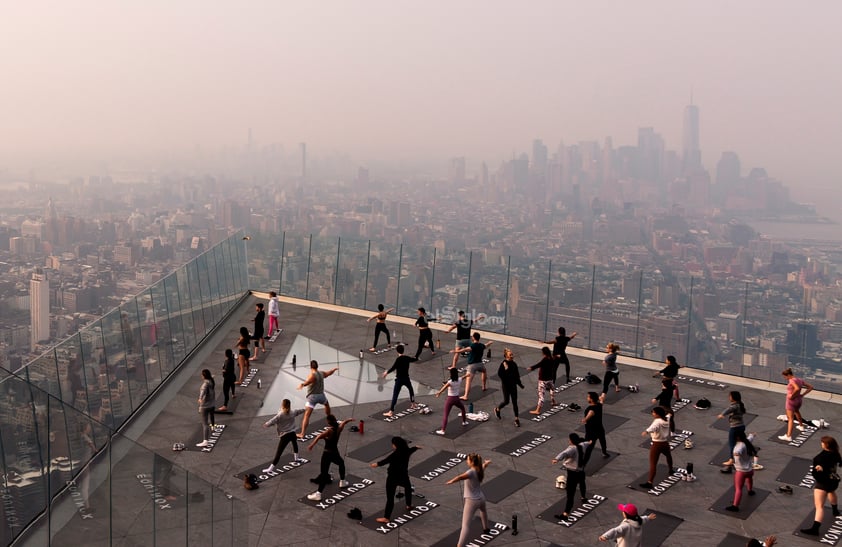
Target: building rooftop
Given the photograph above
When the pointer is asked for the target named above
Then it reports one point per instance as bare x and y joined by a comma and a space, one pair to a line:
521, 479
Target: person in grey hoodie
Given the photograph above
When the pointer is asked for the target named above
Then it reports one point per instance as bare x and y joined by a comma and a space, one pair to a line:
630, 532
207, 401
284, 422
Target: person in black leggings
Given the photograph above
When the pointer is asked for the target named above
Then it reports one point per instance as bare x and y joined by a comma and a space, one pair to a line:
560, 351
397, 475
425, 335
594, 429
329, 455
380, 326
509, 381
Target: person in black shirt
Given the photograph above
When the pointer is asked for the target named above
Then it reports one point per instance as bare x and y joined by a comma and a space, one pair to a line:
257, 335
397, 475
594, 429
463, 335
826, 467
509, 381
329, 455
401, 369
545, 379
671, 370
475, 363
664, 400
228, 378
425, 335
380, 326
560, 351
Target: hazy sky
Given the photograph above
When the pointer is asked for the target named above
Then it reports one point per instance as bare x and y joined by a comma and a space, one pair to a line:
392, 78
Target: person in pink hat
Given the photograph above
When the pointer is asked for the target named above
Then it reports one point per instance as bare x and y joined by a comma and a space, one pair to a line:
630, 532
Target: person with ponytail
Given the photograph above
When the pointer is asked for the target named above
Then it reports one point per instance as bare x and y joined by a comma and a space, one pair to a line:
572, 460
743, 460
330, 455
207, 402
396, 475
473, 494
826, 467
735, 412
659, 433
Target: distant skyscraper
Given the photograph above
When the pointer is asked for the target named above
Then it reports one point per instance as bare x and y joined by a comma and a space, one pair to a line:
457, 170
539, 157
692, 154
39, 307
303, 146
728, 169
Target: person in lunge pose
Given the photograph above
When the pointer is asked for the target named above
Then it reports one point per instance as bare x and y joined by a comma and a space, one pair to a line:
396, 475
572, 459
229, 377
425, 335
401, 369
796, 390
274, 313
735, 412
315, 384
545, 379
453, 387
463, 335
284, 422
630, 532
664, 400
207, 402
826, 467
257, 335
560, 351
659, 433
243, 353
509, 375
594, 429
380, 326
743, 460
473, 494
329, 455
612, 372
475, 364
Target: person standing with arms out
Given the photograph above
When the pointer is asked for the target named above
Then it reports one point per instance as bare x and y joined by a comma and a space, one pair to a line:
796, 390
453, 387
425, 335
401, 370
594, 428
475, 364
670, 371
463, 335
560, 350
229, 377
612, 371
743, 459
257, 335
380, 326
630, 532
329, 455
659, 433
509, 375
396, 475
243, 353
572, 460
315, 384
826, 467
284, 422
735, 412
473, 494
664, 400
207, 402
545, 379
274, 313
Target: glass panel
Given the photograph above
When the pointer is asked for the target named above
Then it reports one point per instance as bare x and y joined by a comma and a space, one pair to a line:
383, 275
174, 337
196, 303
450, 282
135, 368
265, 252
115, 368
416, 281
133, 494
353, 262
240, 262
294, 266
664, 321
321, 281
42, 372
570, 299
489, 290
184, 305
209, 290
527, 298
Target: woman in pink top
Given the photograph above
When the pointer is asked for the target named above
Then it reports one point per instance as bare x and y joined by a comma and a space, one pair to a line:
796, 389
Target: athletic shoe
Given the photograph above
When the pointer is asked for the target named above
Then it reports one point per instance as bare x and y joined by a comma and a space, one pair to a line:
315, 496
464, 423
785, 489
646, 485
800, 428
269, 469
751, 492
298, 460
786, 438
203, 444
343, 484
517, 422
497, 413
757, 467
388, 414
732, 508
439, 431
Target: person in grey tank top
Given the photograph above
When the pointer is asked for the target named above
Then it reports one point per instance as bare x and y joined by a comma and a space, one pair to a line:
315, 384
473, 494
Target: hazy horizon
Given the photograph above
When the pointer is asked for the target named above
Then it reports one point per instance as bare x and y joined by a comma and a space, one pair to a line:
381, 81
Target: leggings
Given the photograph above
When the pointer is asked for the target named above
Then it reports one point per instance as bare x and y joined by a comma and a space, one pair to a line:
655, 451
452, 400
509, 392
740, 478
574, 479
424, 335
207, 422
228, 384
468, 511
399, 383
392, 484
286, 438
594, 436
324, 475
562, 359
273, 324
545, 385
378, 328
732, 437
610, 375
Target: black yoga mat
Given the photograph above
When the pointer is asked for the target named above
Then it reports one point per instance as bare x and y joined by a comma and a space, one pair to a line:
724, 454
598, 461
799, 438
356, 485
373, 450
747, 504
657, 530
722, 423
824, 537
609, 421
503, 486
614, 397
400, 517
797, 472
232, 404
455, 428
197, 437
285, 465
661, 475
438, 464
578, 511
498, 530
733, 540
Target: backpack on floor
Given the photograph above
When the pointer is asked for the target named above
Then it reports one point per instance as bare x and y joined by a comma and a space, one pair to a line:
250, 482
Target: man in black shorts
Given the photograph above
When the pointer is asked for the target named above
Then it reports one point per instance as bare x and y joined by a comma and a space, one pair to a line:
257, 335
475, 364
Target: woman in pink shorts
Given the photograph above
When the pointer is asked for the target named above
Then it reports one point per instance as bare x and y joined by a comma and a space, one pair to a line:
796, 389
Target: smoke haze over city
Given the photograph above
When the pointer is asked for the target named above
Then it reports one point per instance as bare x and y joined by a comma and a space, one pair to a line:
87, 82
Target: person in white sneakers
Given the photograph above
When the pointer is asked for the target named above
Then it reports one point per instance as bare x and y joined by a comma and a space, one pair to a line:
454, 389
284, 422
401, 370
207, 402
274, 313
796, 390
329, 455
